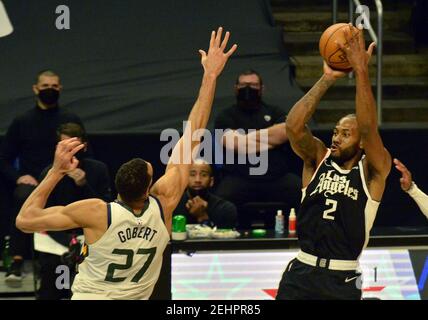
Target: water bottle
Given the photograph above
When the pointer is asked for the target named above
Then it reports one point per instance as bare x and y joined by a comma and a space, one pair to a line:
6, 257
279, 222
292, 223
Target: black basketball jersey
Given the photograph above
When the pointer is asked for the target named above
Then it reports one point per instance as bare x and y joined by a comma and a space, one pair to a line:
336, 212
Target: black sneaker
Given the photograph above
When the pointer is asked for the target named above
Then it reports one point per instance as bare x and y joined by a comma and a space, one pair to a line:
14, 275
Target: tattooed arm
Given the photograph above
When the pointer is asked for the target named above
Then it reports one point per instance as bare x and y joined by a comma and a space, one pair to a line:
309, 148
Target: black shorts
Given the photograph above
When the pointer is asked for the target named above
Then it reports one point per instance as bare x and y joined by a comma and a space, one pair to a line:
301, 281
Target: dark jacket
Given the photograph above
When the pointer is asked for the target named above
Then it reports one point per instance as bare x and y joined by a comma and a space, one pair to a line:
221, 213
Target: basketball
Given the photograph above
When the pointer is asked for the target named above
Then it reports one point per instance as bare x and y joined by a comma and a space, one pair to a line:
330, 51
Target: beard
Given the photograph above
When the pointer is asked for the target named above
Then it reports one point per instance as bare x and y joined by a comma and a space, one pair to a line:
345, 154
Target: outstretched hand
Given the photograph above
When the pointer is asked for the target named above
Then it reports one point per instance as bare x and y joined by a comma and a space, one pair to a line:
64, 155
215, 60
355, 48
406, 175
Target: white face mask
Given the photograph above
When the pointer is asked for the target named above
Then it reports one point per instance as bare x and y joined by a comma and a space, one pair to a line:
5, 25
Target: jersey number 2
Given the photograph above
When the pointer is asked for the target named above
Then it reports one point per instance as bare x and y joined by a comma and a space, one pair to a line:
333, 204
128, 264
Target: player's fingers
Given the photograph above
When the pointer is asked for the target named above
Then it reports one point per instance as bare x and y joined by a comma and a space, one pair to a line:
371, 48
399, 168
203, 54
71, 146
341, 46
77, 149
212, 39
360, 36
232, 50
74, 162
218, 36
352, 32
225, 40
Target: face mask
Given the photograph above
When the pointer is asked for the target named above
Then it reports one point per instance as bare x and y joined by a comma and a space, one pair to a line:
203, 193
249, 98
49, 96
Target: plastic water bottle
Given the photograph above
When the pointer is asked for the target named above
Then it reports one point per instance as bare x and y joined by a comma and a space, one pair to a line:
279, 222
6, 257
292, 222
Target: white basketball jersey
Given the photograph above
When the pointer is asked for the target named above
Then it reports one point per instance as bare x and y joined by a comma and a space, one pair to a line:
126, 261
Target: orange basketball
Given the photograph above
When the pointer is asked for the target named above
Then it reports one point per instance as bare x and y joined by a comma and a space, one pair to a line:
330, 51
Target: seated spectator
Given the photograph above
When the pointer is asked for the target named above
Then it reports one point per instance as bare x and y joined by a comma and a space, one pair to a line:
89, 180
199, 205
246, 120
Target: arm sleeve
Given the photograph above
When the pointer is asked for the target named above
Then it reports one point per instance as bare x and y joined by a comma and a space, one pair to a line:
420, 198
9, 152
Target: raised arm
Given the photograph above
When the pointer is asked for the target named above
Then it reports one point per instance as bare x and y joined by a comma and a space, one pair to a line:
409, 186
377, 157
33, 215
170, 187
309, 148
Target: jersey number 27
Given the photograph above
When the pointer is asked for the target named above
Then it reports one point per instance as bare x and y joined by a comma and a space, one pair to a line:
128, 264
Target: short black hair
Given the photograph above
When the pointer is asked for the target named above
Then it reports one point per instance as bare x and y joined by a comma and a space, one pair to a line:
73, 130
47, 73
249, 72
132, 180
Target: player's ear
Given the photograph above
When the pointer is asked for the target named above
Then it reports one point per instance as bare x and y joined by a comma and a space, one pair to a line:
211, 182
361, 145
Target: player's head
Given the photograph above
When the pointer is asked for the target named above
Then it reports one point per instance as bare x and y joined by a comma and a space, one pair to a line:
133, 181
200, 177
346, 141
47, 89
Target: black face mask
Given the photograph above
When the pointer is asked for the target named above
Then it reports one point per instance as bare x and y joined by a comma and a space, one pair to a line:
202, 193
249, 98
49, 96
